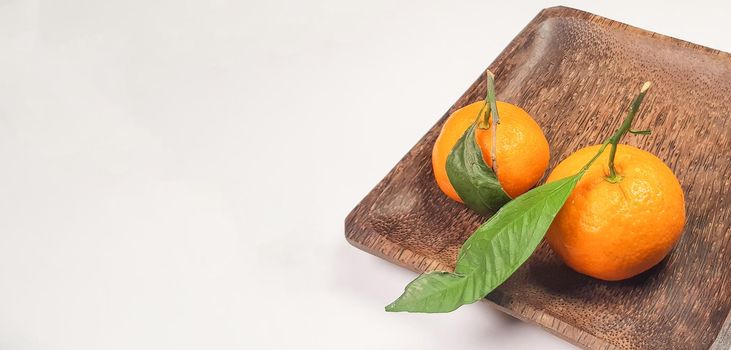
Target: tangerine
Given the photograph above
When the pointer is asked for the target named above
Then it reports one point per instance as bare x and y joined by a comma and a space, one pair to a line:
613, 228
522, 150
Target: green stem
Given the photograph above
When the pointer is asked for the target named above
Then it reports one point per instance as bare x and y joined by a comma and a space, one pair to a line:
484, 115
495, 117
623, 129
598, 153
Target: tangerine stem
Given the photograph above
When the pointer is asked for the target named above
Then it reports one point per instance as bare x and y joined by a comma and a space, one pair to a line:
483, 121
623, 129
495, 117
598, 153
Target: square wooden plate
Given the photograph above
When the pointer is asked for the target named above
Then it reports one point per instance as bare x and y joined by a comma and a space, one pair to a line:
576, 73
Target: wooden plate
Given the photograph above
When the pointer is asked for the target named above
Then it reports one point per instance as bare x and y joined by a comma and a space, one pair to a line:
576, 73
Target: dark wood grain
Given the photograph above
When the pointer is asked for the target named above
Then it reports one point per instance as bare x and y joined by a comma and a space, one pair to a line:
576, 73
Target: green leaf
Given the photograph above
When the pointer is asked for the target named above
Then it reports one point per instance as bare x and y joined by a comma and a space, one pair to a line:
433, 292
475, 182
493, 253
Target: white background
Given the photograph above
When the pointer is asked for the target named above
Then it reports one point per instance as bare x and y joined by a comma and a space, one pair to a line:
175, 174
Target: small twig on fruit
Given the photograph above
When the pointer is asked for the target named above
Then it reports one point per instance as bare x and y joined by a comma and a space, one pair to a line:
640, 132
495, 117
484, 115
623, 129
